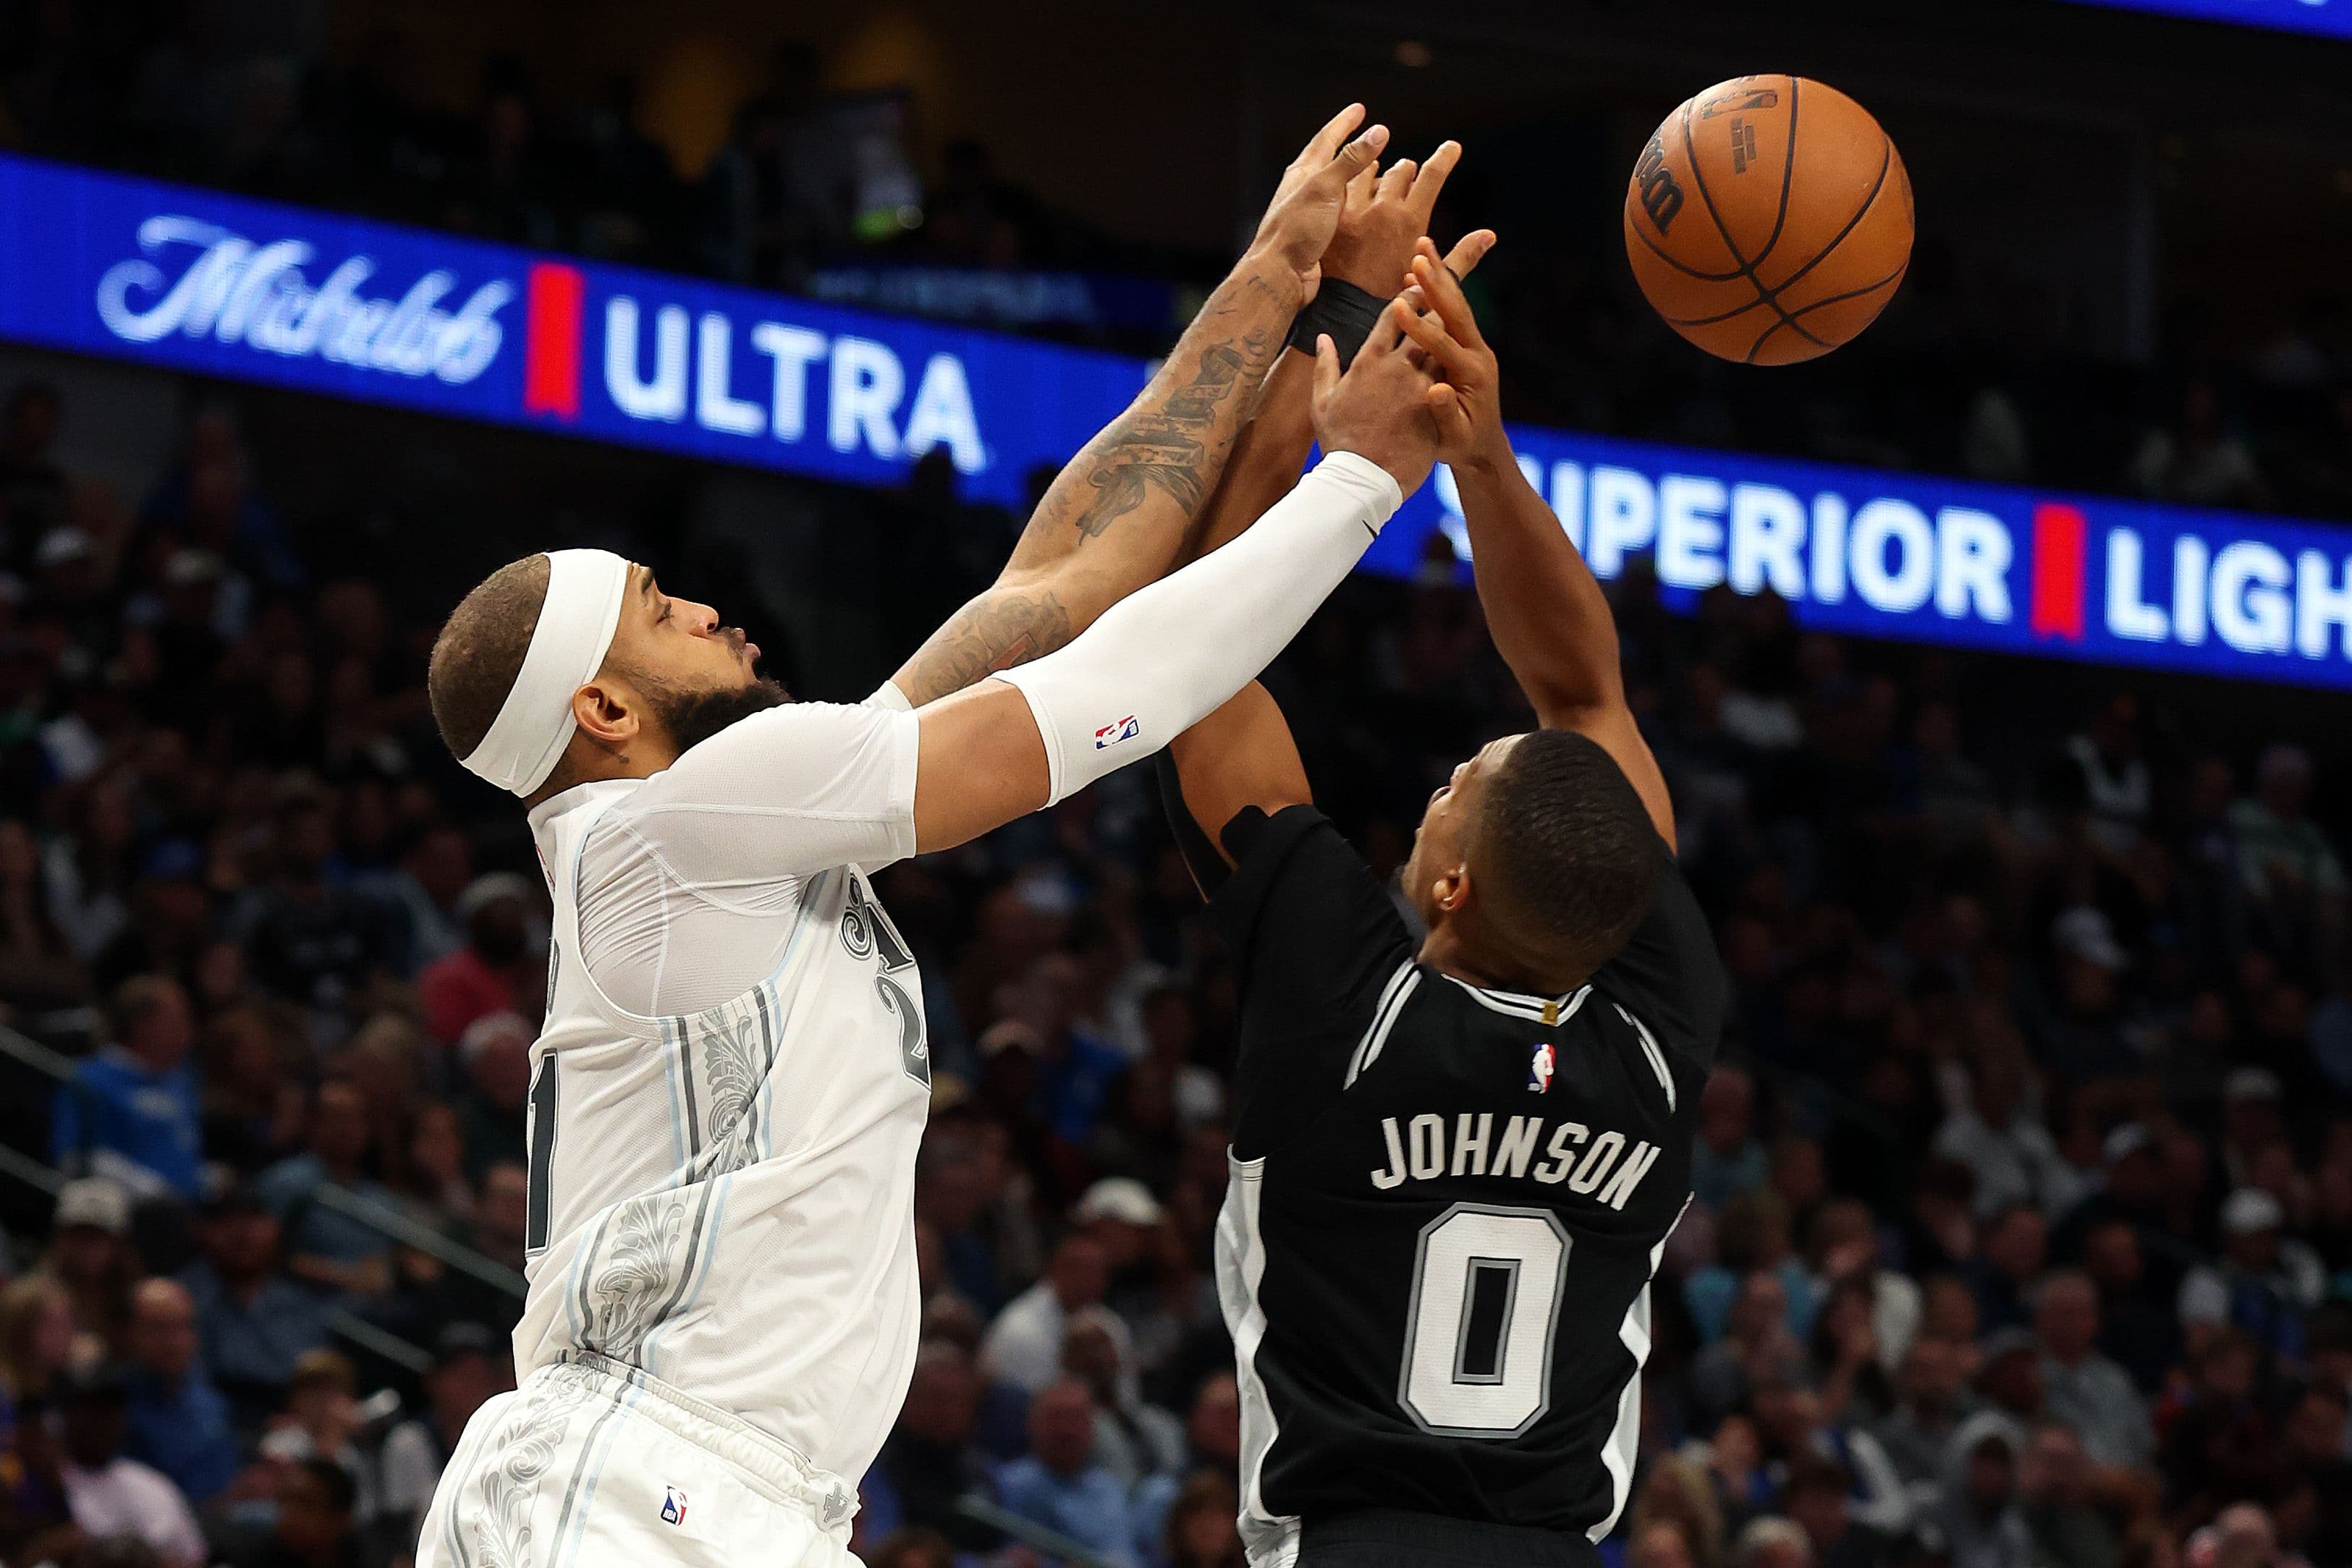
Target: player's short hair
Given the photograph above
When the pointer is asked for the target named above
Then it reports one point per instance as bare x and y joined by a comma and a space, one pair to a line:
479, 652
1565, 850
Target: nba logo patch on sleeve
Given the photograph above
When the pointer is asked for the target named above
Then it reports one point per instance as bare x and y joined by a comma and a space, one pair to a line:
673, 1506
1539, 1071
1111, 733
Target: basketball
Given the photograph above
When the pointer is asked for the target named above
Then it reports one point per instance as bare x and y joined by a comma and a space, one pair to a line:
1769, 219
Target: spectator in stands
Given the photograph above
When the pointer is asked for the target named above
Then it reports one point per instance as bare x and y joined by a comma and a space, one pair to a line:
481, 978
1727, 1160
321, 1420
306, 939
1756, 1344
315, 1524
1752, 1234
253, 1107
1662, 1545
438, 1293
328, 1249
1843, 1358
2004, 1146
2016, 1249
912, 1547
471, 1364
2262, 1284
2009, 1378
130, 1114
1845, 1244
931, 1459
37, 1342
2216, 1442
2281, 850
38, 970
1772, 1543
2195, 460
109, 1494
2060, 1503
1200, 1532
178, 1422
1213, 1445
1132, 1439
494, 1054
1816, 1497
256, 1323
90, 1254
1057, 1485
1023, 1346
1981, 1524
1675, 1494
2083, 1388
1931, 1398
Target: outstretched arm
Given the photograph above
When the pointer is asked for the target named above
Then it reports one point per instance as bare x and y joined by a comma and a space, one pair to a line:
1170, 654
1544, 608
1387, 213
1119, 512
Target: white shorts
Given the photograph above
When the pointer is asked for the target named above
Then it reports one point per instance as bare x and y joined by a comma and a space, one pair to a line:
591, 1463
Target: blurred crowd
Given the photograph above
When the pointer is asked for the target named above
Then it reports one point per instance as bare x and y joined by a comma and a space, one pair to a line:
2023, 1228
1972, 372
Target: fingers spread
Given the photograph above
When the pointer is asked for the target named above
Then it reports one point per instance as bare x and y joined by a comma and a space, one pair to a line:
1398, 181
1433, 177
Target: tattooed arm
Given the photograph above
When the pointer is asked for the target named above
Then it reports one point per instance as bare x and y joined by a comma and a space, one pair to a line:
1386, 216
1120, 514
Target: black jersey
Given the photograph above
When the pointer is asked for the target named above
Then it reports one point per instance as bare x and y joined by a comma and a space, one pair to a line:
1447, 1202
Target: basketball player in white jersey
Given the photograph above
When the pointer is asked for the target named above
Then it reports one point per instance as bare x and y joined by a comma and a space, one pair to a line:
732, 1080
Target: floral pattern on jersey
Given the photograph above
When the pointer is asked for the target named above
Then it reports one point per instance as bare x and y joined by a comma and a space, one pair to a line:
643, 1268
502, 1531
734, 1059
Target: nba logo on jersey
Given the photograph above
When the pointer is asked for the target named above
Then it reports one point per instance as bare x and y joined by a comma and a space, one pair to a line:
1539, 1071
1111, 735
673, 1506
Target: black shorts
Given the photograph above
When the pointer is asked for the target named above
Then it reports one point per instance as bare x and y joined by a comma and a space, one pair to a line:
1386, 1538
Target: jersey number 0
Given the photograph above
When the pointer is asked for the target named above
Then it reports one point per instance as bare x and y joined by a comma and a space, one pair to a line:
1485, 1298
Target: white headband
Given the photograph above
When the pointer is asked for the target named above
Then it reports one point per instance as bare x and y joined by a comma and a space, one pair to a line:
585, 590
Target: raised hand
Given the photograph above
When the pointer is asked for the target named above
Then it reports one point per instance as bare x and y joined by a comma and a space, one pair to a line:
1387, 211
1378, 408
1300, 220
1466, 404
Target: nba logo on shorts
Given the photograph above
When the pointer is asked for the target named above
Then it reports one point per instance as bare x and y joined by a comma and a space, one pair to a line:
1111, 735
673, 1506
1539, 1071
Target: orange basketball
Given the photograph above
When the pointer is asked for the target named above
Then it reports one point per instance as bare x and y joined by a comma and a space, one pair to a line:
1769, 219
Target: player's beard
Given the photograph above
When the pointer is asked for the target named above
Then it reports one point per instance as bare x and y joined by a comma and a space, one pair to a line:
693, 717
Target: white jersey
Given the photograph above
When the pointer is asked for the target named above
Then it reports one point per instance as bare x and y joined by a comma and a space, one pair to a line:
728, 1097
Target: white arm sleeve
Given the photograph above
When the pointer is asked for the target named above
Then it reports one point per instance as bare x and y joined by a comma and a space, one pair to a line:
794, 790
1168, 656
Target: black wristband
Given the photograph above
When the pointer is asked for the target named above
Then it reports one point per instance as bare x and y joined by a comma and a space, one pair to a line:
1342, 310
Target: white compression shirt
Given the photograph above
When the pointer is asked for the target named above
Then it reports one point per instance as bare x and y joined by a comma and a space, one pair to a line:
732, 1080
682, 882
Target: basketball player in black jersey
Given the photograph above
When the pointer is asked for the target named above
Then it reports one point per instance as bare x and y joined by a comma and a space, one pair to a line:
1454, 1166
